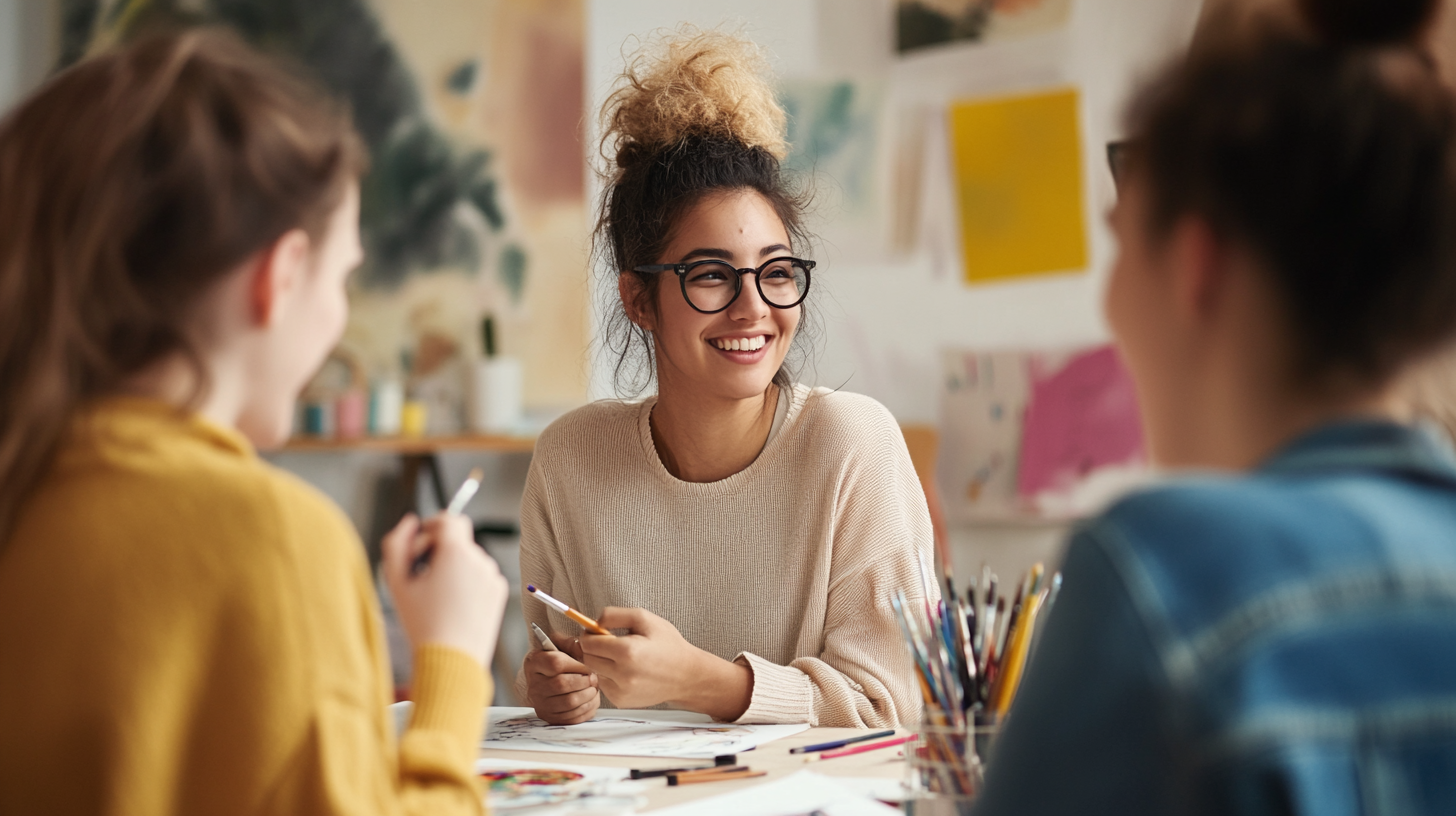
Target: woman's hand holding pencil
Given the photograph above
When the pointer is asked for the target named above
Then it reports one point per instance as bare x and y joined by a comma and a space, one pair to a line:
558, 685
459, 600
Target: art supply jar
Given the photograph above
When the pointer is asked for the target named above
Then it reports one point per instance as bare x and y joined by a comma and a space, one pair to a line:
413, 419
318, 418
386, 403
496, 387
351, 412
943, 769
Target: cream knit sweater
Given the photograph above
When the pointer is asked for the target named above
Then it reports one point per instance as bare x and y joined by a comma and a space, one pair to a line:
786, 566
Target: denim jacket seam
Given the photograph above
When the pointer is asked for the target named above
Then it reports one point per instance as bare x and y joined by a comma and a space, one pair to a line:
1303, 726
1173, 657
1298, 607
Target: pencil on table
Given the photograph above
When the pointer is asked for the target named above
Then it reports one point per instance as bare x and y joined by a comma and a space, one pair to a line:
860, 749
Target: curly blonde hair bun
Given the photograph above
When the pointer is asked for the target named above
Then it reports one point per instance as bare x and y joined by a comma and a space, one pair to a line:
693, 83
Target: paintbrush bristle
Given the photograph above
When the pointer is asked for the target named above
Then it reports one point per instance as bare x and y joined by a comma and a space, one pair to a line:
477, 474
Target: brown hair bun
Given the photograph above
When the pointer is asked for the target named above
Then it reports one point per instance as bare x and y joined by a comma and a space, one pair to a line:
1366, 23
693, 83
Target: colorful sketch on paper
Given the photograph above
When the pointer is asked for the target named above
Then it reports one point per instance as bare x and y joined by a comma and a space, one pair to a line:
513, 784
1083, 415
834, 135
629, 733
514, 781
1018, 179
926, 23
982, 408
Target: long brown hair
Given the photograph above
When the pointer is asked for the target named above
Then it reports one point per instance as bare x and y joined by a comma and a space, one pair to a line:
129, 185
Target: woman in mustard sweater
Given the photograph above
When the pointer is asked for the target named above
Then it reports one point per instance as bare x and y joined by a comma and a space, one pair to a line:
183, 628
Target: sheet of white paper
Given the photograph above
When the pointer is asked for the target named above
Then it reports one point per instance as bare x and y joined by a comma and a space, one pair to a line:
618, 732
798, 793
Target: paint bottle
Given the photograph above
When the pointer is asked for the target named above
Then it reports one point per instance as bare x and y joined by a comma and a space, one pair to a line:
351, 411
318, 418
496, 387
413, 419
386, 401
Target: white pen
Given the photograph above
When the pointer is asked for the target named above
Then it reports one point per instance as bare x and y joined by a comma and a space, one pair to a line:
457, 504
546, 644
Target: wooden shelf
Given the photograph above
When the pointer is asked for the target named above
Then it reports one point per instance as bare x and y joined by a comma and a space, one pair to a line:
413, 445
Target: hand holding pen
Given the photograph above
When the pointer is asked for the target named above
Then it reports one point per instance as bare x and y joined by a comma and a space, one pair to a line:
558, 685
447, 591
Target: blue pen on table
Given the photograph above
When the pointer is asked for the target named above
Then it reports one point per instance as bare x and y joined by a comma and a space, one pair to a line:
457, 504
829, 746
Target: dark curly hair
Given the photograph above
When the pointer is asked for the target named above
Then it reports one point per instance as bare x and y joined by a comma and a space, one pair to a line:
694, 117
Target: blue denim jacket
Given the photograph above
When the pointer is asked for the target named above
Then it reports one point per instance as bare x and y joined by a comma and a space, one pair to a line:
1281, 642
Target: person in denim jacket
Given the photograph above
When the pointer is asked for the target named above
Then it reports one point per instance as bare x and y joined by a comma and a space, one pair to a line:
1273, 629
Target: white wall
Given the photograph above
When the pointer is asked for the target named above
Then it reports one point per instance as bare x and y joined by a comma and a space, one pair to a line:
885, 318
28, 45
9, 52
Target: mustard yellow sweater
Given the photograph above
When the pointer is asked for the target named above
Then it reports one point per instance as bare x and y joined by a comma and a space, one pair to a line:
185, 629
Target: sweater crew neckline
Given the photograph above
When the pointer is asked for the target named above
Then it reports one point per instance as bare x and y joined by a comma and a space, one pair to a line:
797, 394
128, 415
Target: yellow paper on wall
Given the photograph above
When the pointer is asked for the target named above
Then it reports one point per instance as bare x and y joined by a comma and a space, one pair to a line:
1018, 177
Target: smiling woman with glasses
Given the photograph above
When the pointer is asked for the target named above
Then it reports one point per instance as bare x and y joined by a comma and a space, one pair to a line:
738, 531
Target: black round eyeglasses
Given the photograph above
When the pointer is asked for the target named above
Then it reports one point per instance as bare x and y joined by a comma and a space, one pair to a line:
712, 286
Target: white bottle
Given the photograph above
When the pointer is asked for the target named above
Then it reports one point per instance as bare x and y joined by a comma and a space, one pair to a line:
385, 405
495, 389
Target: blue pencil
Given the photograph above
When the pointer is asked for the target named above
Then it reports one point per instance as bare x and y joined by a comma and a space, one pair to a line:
825, 746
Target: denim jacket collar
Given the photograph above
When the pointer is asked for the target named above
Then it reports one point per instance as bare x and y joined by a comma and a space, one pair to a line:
1368, 444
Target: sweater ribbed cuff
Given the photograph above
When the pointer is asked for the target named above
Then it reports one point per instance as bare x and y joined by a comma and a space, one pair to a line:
780, 694
450, 692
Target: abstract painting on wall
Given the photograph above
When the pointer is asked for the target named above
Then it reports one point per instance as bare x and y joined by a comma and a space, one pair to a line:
1036, 434
834, 133
475, 200
1018, 181
926, 23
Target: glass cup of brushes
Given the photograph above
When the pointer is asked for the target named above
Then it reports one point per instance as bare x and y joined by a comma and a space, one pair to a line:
944, 766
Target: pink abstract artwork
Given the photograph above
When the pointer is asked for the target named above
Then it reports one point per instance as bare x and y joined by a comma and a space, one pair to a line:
1082, 415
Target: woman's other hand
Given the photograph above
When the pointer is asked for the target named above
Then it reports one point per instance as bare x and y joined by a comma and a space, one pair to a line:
654, 664
559, 686
458, 598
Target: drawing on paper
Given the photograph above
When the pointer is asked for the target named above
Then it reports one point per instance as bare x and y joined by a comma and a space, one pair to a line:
1037, 434
982, 410
926, 23
1082, 420
834, 134
517, 785
604, 732
635, 733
